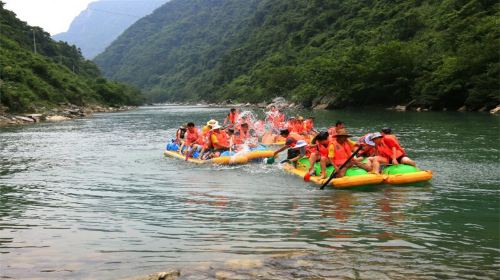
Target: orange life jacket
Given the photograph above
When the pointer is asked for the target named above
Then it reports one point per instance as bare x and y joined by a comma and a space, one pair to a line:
222, 139
342, 152
385, 150
323, 148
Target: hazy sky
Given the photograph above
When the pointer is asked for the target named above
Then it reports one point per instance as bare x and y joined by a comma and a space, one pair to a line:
54, 16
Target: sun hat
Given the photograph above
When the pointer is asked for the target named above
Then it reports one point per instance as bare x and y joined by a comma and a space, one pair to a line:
375, 135
342, 132
368, 140
216, 126
300, 144
212, 122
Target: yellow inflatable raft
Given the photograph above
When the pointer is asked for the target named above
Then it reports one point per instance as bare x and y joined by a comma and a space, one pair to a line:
355, 176
405, 174
224, 160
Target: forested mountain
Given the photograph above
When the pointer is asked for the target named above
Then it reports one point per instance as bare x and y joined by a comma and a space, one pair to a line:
103, 21
56, 73
353, 52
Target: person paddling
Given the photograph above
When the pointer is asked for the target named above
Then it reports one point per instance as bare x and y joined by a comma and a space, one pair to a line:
291, 139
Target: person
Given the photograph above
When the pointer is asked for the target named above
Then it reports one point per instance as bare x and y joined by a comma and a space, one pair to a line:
387, 133
320, 153
290, 140
335, 152
219, 140
387, 152
275, 117
333, 130
297, 151
309, 126
244, 134
192, 139
368, 145
299, 125
231, 118
179, 135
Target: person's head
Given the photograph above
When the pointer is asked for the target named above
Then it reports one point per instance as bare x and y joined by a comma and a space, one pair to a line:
182, 128
339, 125
386, 130
321, 137
342, 135
233, 110
230, 131
376, 138
216, 128
244, 127
273, 108
284, 132
190, 127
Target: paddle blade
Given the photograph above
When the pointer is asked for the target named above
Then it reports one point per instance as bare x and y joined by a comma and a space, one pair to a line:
307, 177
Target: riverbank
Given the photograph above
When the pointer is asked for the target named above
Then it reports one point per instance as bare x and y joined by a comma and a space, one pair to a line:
62, 113
328, 104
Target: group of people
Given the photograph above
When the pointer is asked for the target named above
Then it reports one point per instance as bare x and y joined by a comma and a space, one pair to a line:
300, 138
334, 147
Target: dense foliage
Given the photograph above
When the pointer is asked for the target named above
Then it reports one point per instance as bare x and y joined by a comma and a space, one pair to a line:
57, 73
355, 52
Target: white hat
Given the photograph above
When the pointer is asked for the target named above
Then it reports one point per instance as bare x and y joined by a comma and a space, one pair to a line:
375, 135
368, 140
216, 126
300, 144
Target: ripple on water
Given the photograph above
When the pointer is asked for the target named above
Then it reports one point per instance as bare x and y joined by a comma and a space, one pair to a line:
95, 198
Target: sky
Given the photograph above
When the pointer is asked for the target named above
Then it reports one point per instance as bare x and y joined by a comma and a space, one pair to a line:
54, 16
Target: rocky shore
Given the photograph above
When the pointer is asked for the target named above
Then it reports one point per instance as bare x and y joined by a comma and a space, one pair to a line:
329, 103
61, 113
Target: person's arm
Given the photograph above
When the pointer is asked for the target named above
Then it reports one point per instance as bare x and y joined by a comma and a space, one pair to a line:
280, 150
394, 159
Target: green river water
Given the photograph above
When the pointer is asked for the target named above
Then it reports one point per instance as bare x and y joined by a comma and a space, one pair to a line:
94, 198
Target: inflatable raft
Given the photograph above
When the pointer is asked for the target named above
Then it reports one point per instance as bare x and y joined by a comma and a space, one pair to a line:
354, 176
405, 174
226, 158
394, 174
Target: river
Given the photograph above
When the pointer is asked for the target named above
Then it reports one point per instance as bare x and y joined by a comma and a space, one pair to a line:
94, 198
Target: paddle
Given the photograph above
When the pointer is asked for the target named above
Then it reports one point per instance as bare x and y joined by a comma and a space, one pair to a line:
334, 174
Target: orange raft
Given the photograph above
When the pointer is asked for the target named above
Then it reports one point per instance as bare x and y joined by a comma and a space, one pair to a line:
224, 160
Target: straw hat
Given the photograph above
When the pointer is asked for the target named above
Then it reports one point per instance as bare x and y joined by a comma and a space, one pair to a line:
216, 126
212, 122
300, 144
342, 132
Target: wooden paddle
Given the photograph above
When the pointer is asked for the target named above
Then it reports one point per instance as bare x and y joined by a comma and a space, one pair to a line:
334, 174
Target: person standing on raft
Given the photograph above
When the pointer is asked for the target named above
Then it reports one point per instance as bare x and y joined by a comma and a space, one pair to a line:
387, 152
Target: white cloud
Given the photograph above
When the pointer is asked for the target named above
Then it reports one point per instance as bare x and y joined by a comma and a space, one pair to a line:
54, 16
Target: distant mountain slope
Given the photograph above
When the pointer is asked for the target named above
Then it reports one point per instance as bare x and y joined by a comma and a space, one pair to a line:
437, 54
103, 21
56, 73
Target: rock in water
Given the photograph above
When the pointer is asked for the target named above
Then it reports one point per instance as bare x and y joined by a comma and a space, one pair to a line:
495, 110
